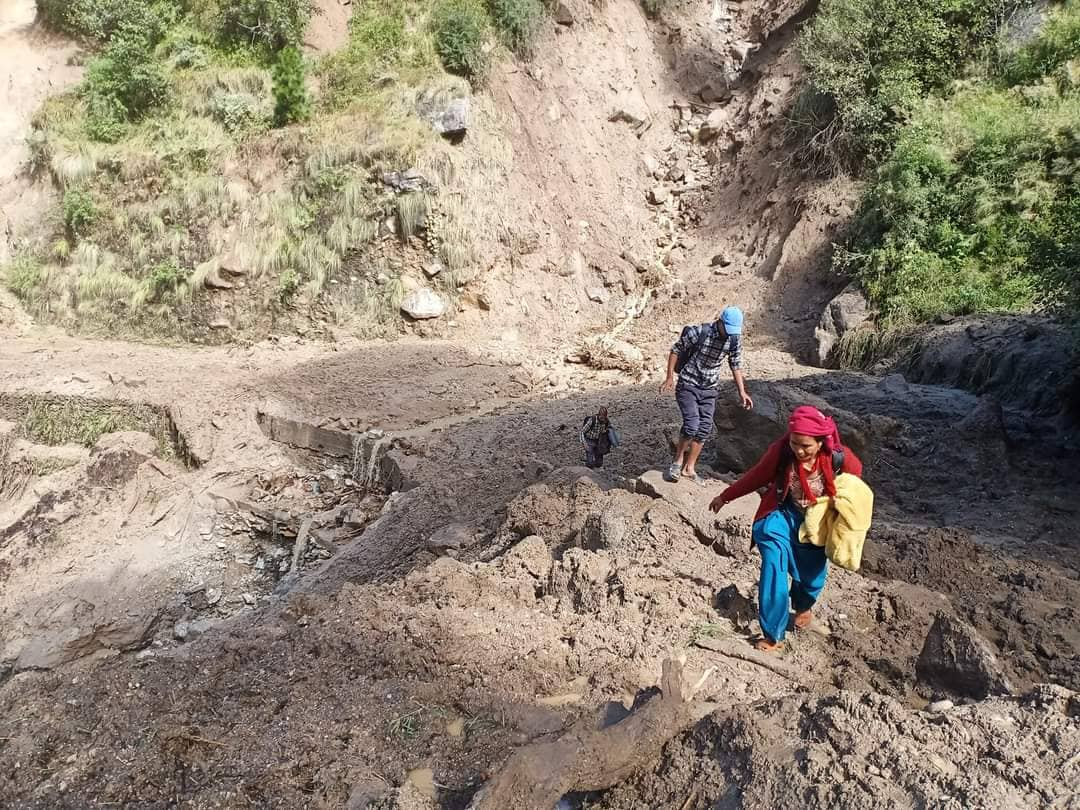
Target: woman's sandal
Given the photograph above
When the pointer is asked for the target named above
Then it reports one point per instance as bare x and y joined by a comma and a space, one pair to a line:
803, 619
767, 645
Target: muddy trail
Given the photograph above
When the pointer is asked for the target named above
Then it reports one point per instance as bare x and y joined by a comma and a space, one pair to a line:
293, 574
492, 606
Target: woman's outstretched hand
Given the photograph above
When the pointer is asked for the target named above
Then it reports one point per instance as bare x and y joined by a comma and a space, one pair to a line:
717, 503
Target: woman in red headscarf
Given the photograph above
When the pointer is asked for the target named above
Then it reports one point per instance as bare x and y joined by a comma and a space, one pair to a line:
795, 471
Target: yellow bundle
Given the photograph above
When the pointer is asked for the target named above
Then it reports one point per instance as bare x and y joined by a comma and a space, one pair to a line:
840, 524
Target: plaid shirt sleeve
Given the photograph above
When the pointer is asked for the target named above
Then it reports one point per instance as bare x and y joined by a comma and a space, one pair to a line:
735, 353
686, 340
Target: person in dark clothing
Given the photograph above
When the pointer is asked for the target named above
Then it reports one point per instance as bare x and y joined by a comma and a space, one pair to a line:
702, 350
598, 437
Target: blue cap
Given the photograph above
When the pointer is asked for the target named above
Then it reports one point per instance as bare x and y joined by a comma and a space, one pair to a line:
732, 319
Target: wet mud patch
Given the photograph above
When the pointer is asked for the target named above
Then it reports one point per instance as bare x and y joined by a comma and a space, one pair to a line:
1026, 608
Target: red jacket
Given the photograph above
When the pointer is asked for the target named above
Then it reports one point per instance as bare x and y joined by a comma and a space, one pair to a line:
763, 474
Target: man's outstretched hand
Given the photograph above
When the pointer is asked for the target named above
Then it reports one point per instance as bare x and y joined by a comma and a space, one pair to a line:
747, 402
716, 504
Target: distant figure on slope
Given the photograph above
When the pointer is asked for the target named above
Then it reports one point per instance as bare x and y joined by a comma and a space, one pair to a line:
796, 471
697, 357
598, 437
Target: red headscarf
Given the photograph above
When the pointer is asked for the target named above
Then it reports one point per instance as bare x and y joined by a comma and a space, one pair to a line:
809, 421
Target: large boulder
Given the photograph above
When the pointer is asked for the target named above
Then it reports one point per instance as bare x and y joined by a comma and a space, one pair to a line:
846, 312
743, 436
423, 304
714, 125
123, 631
955, 659
450, 120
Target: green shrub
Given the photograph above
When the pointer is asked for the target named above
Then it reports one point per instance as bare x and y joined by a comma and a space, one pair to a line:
126, 81
382, 43
1057, 43
874, 60
974, 210
267, 25
238, 112
24, 276
290, 89
79, 211
288, 284
518, 21
461, 33
165, 279
100, 19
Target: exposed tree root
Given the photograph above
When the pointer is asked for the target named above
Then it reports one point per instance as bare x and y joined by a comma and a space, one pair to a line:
585, 759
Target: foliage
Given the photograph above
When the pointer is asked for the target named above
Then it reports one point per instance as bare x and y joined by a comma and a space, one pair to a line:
165, 278
461, 34
99, 19
1057, 44
518, 21
238, 112
126, 80
978, 206
872, 61
382, 45
290, 90
79, 211
23, 276
288, 284
265, 25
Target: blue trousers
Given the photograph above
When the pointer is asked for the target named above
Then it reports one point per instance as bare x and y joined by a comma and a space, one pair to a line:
782, 557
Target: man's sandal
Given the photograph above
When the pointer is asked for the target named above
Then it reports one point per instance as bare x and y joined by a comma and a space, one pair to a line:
767, 645
803, 619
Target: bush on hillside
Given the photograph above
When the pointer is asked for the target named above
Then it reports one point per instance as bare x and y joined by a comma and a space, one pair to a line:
290, 89
872, 61
461, 33
1058, 43
126, 80
99, 19
79, 211
378, 44
518, 21
978, 206
266, 25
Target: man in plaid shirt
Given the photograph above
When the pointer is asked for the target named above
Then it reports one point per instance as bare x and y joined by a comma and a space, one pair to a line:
704, 348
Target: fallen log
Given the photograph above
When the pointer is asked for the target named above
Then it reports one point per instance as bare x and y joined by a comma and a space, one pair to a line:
587, 758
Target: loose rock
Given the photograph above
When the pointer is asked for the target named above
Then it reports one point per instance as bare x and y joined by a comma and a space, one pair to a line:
423, 304
957, 660
453, 121
847, 311
562, 14
597, 294
659, 195
714, 126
